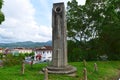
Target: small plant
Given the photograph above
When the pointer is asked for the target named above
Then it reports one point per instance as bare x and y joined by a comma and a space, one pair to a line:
1, 55
10, 60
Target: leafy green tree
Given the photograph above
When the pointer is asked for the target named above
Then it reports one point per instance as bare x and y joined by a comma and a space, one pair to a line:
75, 18
26, 54
95, 26
2, 18
22, 56
80, 30
108, 28
32, 55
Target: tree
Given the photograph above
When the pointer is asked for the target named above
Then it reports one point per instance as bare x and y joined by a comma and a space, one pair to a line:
109, 29
32, 55
76, 28
95, 26
2, 18
80, 29
1, 55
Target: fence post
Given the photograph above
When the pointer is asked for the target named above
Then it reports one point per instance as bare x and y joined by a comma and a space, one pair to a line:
23, 67
46, 74
31, 63
84, 63
85, 74
95, 67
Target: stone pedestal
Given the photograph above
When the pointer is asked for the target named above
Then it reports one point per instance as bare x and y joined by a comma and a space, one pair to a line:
61, 70
59, 63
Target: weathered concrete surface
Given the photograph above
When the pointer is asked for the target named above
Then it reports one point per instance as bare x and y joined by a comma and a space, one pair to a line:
59, 63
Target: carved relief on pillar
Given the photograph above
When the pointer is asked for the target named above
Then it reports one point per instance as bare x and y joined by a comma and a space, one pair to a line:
57, 11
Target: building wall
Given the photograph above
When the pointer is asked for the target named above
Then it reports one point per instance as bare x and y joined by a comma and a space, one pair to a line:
1, 50
22, 50
46, 54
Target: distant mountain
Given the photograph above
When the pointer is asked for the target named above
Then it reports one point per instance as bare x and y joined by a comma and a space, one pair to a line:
27, 44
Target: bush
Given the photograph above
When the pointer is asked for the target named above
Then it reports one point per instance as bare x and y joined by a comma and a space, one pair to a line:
113, 56
10, 60
1, 55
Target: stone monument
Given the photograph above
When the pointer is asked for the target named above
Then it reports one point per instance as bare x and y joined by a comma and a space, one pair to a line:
59, 63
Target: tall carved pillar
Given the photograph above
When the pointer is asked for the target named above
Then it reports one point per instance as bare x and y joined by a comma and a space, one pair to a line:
59, 56
59, 36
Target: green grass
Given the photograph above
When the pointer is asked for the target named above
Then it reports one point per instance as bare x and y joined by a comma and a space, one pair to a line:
106, 71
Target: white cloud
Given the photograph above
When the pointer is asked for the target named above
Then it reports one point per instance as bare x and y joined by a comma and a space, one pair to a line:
80, 2
3, 32
20, 20
20, 24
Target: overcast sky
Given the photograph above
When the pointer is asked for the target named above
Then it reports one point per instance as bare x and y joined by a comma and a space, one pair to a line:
28, 20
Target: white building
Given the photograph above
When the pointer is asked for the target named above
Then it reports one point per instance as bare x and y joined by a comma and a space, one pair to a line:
43, 54
22, 50
1, 50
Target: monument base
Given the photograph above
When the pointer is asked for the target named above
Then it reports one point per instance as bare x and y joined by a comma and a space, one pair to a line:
62, 70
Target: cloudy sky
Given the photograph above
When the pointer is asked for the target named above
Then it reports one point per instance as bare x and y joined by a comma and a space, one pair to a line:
28, 20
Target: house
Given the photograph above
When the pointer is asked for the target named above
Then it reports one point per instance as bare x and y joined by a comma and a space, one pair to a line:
17, 51
43, 54
1, 50
6, 51
22, 50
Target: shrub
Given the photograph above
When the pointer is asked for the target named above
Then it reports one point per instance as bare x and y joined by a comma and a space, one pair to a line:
10, 60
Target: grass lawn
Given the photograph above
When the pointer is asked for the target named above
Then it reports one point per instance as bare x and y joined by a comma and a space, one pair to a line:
107, 70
